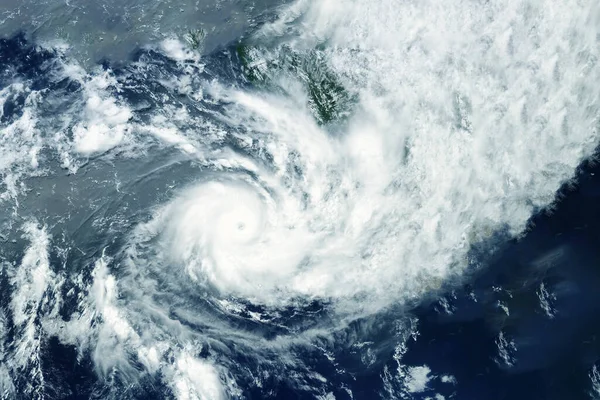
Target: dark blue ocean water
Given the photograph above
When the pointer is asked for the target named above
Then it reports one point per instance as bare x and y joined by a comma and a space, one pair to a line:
524, 323
554, 351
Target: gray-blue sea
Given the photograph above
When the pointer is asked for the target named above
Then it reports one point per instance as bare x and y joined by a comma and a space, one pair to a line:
310, 199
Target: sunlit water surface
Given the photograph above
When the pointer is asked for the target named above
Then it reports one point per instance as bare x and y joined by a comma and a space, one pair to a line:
317, 199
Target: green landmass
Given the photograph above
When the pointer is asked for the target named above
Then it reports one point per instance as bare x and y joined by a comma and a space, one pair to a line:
328, 99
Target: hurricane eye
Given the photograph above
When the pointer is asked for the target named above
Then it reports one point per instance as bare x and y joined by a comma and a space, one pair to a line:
317, 199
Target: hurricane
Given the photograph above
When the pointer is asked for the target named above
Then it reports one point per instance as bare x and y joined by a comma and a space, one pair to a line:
270, 200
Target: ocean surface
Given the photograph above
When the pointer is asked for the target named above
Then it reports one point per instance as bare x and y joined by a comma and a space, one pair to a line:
301, 199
